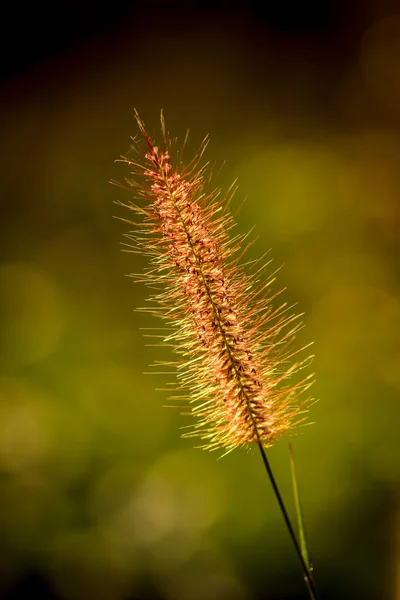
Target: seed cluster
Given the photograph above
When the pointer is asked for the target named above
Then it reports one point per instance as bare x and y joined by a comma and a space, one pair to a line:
235, 368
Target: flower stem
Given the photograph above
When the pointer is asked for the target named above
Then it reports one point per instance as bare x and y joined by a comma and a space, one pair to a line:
307, 573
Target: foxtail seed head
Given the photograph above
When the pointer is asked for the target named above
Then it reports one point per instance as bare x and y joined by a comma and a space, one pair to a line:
236, 370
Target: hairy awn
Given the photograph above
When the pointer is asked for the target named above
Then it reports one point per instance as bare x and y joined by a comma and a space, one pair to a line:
236, 366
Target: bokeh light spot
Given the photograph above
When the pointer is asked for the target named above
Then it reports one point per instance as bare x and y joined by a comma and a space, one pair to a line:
31, 315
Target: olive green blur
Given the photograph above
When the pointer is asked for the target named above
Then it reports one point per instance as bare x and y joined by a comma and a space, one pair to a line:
99, 496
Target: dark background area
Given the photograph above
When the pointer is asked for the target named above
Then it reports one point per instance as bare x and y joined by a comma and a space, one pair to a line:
99, 498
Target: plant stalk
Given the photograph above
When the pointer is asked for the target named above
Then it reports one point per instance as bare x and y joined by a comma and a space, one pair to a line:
307, 573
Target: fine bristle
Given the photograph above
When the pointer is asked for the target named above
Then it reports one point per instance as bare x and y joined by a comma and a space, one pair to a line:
236, 369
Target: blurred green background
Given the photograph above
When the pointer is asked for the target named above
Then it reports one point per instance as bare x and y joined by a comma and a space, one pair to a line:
99, 497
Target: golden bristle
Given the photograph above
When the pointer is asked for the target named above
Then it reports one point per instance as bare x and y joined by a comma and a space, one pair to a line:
235, 369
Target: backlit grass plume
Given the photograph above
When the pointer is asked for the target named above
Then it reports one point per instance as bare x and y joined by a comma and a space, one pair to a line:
236, 367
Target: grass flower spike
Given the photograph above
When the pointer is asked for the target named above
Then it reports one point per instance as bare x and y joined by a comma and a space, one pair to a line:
236, 367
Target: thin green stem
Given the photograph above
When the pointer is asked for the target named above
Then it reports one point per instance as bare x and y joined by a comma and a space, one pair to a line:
307, 573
